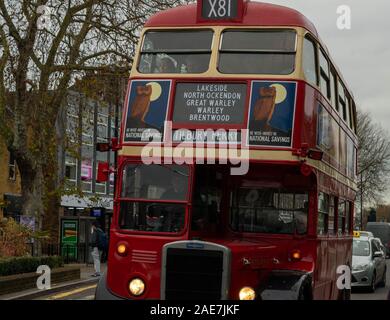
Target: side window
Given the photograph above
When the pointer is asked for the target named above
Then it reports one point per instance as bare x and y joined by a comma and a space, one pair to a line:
341, 217
342, 101
310, 61
351, 116
348, 111
323, 213
348, 216
331, 222
333, 81
324, 76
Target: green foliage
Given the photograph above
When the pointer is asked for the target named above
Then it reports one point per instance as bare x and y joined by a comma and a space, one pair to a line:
20, 265
14, 238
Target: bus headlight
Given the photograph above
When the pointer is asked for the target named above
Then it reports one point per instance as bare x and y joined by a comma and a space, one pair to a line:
247, 293
136, 287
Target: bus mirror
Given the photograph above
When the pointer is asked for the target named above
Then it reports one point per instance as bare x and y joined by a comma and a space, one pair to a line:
114, 144
103, 172
103, 147
315, 154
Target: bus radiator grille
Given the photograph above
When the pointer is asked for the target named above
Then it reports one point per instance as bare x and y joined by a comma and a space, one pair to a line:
193, 274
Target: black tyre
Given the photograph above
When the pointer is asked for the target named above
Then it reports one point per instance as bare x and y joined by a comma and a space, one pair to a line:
383, 281
372, 287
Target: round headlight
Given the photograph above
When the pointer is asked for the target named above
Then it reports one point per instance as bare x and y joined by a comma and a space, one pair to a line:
136, 287
121, 249
247, 293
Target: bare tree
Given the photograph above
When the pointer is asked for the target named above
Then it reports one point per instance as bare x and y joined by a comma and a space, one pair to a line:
45, 45
373, 159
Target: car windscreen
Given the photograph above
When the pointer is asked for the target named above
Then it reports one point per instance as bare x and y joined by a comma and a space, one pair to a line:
176, 51
361, 248
257, 52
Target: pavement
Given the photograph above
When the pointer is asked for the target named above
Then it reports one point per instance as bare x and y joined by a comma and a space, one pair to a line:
59, 291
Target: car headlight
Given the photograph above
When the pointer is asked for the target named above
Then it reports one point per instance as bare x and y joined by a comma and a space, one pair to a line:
247, 293
136, 287
360, 267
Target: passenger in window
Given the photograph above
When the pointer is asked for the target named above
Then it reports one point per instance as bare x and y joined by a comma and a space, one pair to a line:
197, 63
167, 66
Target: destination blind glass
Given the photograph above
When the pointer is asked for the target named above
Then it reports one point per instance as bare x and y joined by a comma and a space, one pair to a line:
220, 9
209, 104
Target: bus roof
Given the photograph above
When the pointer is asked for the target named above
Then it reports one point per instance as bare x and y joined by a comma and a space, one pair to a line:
256, 14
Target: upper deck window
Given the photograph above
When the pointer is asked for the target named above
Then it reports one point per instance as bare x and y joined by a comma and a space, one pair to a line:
325, 77
176, 51
310, 61
258, 52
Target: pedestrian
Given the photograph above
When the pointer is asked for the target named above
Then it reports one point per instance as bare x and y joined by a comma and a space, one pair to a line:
96, 247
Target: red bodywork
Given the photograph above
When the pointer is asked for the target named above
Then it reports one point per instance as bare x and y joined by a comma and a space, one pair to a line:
320, 255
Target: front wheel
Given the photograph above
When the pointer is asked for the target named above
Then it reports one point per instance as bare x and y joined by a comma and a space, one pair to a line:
372, 287
345, 295
383, 281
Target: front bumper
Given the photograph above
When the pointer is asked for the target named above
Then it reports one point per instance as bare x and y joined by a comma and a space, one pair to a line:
362, 278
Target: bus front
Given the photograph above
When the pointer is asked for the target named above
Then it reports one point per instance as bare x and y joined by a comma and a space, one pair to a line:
212, 200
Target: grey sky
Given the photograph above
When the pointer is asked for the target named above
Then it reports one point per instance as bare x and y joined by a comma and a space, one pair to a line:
362, 53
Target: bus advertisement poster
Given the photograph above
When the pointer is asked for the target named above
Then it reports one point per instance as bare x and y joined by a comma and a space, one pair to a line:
147, 109
271, 115
69, 237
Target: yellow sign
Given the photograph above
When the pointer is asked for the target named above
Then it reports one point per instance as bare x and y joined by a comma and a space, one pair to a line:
356, 234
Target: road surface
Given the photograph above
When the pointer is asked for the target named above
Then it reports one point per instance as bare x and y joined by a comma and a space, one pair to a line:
86, 292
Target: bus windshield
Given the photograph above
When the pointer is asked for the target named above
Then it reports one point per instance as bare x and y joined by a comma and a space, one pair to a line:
265, 210
176, 51
153, 198
258, 52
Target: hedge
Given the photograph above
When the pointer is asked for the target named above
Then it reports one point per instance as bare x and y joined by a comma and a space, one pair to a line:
19, 265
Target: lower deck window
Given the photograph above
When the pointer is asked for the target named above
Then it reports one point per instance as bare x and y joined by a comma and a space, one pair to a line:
269, 211
152, 217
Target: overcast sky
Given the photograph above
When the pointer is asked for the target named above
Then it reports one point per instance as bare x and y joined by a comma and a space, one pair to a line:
362, 53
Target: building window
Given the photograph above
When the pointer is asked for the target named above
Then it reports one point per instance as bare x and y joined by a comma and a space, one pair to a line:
323, 214
11, 167
310, 61
99, 187
71, 172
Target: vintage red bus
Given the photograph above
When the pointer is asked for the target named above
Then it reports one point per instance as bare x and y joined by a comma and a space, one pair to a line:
218, 86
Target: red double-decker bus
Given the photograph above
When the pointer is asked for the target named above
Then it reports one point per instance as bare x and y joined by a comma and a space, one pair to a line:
236, 160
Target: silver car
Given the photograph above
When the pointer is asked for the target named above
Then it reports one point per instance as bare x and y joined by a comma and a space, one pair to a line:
368, 264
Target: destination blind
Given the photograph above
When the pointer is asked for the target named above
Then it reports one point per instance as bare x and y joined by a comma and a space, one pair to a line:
210, 103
